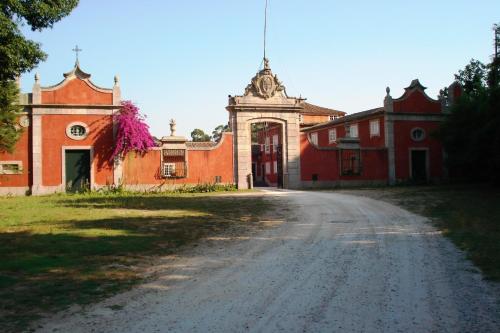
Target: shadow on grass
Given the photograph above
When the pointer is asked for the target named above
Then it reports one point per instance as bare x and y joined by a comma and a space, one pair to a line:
83, 261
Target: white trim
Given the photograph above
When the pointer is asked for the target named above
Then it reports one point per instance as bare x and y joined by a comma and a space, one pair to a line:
63, 163
413, 130
74, 137
14, 190
9, 172
376, 123
314, 138
334, 132
68, 110
351, 126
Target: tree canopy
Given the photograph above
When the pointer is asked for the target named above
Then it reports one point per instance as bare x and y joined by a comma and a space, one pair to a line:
218, 131
19, 55
470, 133
198, 135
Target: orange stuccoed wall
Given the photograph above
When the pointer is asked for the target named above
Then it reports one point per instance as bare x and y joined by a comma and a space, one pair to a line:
143, 170
22, 152
100, 138
76, 92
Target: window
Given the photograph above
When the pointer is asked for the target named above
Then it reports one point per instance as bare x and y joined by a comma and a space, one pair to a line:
168, 169
174, 163
11, 167
275, 143
266, 146
353, 131
77, 130
275, 167
332, 135
417, 134
218, 179
374, 128
350, 162
332, 118
314, 138
268, 168
301, 119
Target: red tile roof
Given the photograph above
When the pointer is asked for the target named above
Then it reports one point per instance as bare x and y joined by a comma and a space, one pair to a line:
318, 110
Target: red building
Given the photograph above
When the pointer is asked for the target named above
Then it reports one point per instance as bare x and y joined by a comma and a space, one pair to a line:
69, 137
69, 134
390, 144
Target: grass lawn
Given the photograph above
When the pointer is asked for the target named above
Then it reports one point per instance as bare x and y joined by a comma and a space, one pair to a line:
75, 249
469, 215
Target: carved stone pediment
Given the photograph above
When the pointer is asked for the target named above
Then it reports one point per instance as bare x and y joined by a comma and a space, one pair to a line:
265, 84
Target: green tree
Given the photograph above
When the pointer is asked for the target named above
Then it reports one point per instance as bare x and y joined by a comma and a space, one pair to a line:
217, 132
9, 106
472, 77
198, 135
18, 54
470, 133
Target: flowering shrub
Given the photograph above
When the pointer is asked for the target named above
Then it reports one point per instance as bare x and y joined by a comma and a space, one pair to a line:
132, 132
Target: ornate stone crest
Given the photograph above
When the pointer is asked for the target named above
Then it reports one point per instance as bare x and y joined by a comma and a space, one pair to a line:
265, 84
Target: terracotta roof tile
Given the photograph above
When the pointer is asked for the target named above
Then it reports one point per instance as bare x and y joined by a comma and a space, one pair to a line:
318, 110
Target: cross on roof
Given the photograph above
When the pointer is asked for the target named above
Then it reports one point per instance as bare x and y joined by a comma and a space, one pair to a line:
76, 50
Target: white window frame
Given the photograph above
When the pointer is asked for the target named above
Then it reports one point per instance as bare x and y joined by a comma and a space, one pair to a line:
352, 132
75, 137
314, 138
267, 145
374, 127
332, 117
10, 172
168, 169
275, 167
268, 168
275, 143
332, 135
301, 118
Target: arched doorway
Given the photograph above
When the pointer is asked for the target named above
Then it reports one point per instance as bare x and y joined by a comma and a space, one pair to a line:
268, 158
265, 100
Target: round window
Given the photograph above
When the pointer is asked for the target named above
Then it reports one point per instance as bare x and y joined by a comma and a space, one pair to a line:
77, 131
417, 134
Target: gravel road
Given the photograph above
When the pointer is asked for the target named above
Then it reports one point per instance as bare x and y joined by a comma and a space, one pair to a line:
339, 263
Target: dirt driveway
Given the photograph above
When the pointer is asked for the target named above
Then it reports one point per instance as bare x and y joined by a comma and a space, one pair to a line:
339, 263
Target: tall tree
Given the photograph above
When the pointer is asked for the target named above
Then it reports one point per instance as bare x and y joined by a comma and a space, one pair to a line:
472, 77
470, 133
217, 132
18, 54
198, 135
9, 110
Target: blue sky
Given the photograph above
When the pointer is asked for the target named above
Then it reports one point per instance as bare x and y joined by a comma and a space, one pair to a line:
180, 59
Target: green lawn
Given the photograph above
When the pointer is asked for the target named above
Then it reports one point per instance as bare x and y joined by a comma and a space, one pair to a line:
468, 214
65, 249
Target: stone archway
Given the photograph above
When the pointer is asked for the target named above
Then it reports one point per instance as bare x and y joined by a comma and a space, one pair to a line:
264, 100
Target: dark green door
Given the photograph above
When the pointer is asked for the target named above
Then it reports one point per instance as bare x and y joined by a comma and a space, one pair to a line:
77, 170
419, 166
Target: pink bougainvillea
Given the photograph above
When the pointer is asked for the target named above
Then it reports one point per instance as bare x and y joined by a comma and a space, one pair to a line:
132, 133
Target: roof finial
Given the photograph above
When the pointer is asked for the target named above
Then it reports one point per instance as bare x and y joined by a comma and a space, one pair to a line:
76, 50
265, 29
172, 127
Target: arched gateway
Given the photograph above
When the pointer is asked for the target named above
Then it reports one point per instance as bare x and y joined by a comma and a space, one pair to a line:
265, 100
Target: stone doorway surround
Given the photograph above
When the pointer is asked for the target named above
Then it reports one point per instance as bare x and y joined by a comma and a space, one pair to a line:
265, 100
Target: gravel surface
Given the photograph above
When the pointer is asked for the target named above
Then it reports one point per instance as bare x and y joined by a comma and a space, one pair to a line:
339, 263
